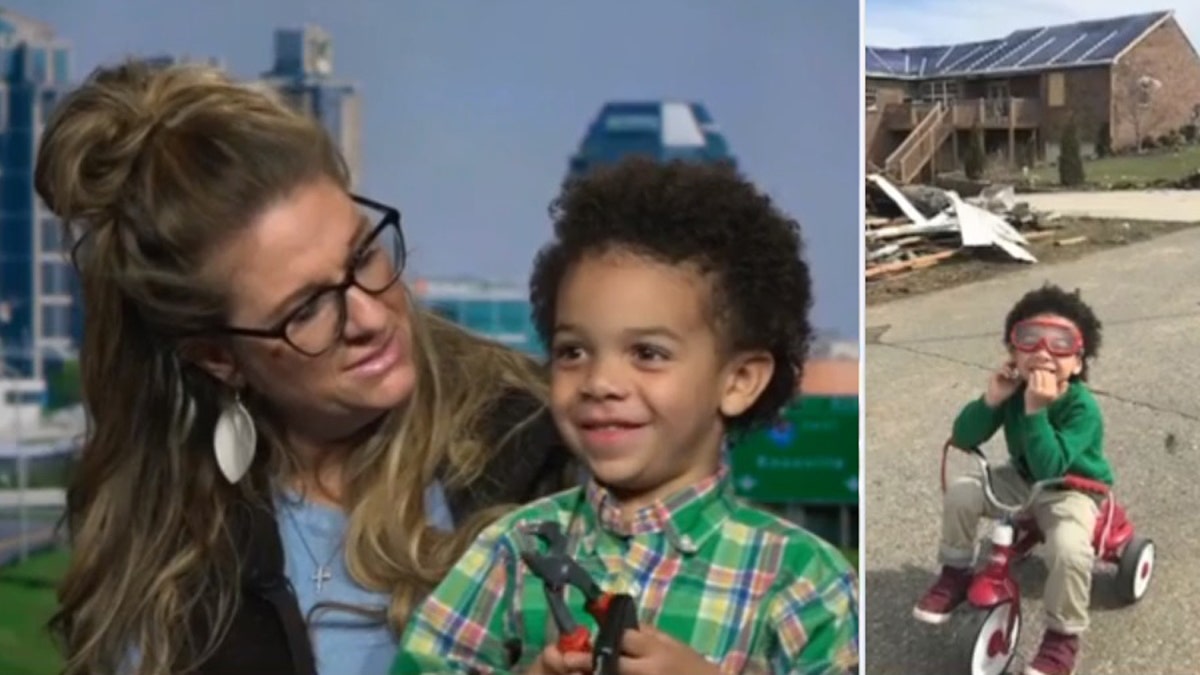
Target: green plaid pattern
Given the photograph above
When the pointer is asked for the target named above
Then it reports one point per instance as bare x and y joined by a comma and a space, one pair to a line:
747, 590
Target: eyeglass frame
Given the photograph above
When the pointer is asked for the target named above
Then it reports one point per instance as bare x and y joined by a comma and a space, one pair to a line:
391, 218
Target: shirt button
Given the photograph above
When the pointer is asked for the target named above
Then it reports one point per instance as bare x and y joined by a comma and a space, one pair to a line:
687, 542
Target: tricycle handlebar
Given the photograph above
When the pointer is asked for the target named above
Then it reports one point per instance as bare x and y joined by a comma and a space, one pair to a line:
1069, 481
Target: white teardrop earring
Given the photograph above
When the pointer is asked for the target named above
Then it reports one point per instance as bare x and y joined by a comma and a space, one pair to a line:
234, 440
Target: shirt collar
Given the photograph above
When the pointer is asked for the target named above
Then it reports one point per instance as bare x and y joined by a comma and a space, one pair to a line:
687, 518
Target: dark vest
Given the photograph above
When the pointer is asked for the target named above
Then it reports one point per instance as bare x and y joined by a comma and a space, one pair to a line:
268, 635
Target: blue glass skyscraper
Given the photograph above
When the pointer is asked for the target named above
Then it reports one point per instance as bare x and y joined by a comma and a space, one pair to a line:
662, 130
39, 311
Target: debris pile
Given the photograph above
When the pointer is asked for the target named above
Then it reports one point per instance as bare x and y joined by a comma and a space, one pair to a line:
914, 227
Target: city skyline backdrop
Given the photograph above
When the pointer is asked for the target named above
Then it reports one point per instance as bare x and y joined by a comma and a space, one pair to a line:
470, 112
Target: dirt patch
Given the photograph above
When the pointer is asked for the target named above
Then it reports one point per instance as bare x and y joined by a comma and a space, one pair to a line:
968, 266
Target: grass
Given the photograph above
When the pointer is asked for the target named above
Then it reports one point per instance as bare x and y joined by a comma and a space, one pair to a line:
1153, 166
26, 602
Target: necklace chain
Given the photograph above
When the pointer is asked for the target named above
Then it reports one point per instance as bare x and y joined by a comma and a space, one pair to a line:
323, 574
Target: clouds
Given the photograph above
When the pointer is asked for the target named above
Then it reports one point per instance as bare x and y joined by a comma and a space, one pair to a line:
907, 23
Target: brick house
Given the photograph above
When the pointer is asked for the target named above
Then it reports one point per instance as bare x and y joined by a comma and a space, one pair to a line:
1137, 76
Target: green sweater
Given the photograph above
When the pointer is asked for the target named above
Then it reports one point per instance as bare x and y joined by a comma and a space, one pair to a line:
1066, 437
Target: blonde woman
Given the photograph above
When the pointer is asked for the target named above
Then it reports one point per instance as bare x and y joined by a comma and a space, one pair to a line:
286, 453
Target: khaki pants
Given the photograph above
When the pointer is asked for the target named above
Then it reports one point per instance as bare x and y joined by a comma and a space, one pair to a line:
1066, 518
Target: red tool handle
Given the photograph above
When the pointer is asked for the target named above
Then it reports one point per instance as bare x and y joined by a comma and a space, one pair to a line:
577, 640
598, 608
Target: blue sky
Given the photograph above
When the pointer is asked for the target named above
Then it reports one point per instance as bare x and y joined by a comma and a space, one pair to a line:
907, 23
471, 107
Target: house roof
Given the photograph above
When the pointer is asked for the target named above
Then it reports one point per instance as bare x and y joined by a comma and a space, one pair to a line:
1083, 43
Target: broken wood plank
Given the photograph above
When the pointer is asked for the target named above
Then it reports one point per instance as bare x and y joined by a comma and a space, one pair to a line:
925, 260
1070, 241
939, 224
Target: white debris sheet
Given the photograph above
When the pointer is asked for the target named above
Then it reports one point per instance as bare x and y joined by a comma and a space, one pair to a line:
931, 225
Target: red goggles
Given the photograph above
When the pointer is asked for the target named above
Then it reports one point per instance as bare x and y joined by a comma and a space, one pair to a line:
1059, 339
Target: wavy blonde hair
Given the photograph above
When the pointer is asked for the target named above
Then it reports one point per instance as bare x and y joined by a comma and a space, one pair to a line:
150, 169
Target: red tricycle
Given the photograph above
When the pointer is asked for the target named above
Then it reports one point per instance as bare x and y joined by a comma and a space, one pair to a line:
994, 593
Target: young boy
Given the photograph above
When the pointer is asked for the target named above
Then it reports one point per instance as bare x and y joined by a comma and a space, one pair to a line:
675, 302
1053, 427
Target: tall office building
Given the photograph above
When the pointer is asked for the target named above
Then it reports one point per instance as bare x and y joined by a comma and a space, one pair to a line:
662, 130
40, 318
303, 75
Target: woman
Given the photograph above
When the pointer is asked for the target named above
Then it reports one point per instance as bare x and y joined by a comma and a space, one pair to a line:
280, 436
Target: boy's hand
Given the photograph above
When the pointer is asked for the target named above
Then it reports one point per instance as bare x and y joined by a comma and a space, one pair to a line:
647, 651
1002, 384
1042, 390
553, 661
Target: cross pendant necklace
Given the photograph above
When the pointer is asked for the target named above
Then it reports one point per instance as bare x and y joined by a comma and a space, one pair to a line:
322, 575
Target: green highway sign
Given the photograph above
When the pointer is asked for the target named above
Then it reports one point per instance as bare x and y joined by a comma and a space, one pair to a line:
810, 457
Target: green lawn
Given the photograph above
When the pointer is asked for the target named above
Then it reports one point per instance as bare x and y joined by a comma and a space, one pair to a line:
26, 603
1153, 166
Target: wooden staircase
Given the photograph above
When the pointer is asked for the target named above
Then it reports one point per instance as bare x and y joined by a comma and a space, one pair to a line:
921, 144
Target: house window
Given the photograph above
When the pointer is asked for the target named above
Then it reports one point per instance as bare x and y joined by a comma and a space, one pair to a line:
939, 91
1056, 94
998, 90
997, 98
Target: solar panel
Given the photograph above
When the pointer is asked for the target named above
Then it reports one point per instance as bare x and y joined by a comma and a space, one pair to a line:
1083, 46
992, 55
1029, 44
894, 62
874, 62
1093, 41
1126, 34
961, 56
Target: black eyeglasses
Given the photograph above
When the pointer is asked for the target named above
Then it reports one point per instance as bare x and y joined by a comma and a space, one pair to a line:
320, 322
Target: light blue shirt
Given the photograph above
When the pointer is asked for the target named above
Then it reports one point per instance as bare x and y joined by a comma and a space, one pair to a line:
343, 643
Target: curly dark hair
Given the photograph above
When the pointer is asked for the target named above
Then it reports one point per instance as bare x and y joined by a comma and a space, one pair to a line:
1052, 299
707, 215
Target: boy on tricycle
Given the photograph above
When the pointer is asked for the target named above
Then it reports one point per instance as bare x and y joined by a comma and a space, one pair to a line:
1053, 428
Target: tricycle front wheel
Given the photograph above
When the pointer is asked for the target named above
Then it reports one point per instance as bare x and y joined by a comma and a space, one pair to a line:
993, 645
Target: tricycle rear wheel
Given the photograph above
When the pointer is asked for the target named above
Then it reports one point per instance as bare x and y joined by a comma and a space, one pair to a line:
1135, 569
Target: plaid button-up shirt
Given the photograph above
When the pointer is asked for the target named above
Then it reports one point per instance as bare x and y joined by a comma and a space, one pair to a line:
745, 589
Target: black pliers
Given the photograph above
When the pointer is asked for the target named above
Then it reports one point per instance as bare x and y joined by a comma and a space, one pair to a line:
614, 612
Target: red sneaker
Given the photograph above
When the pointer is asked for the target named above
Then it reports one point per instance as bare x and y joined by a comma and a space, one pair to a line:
1056, 656
947, 593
